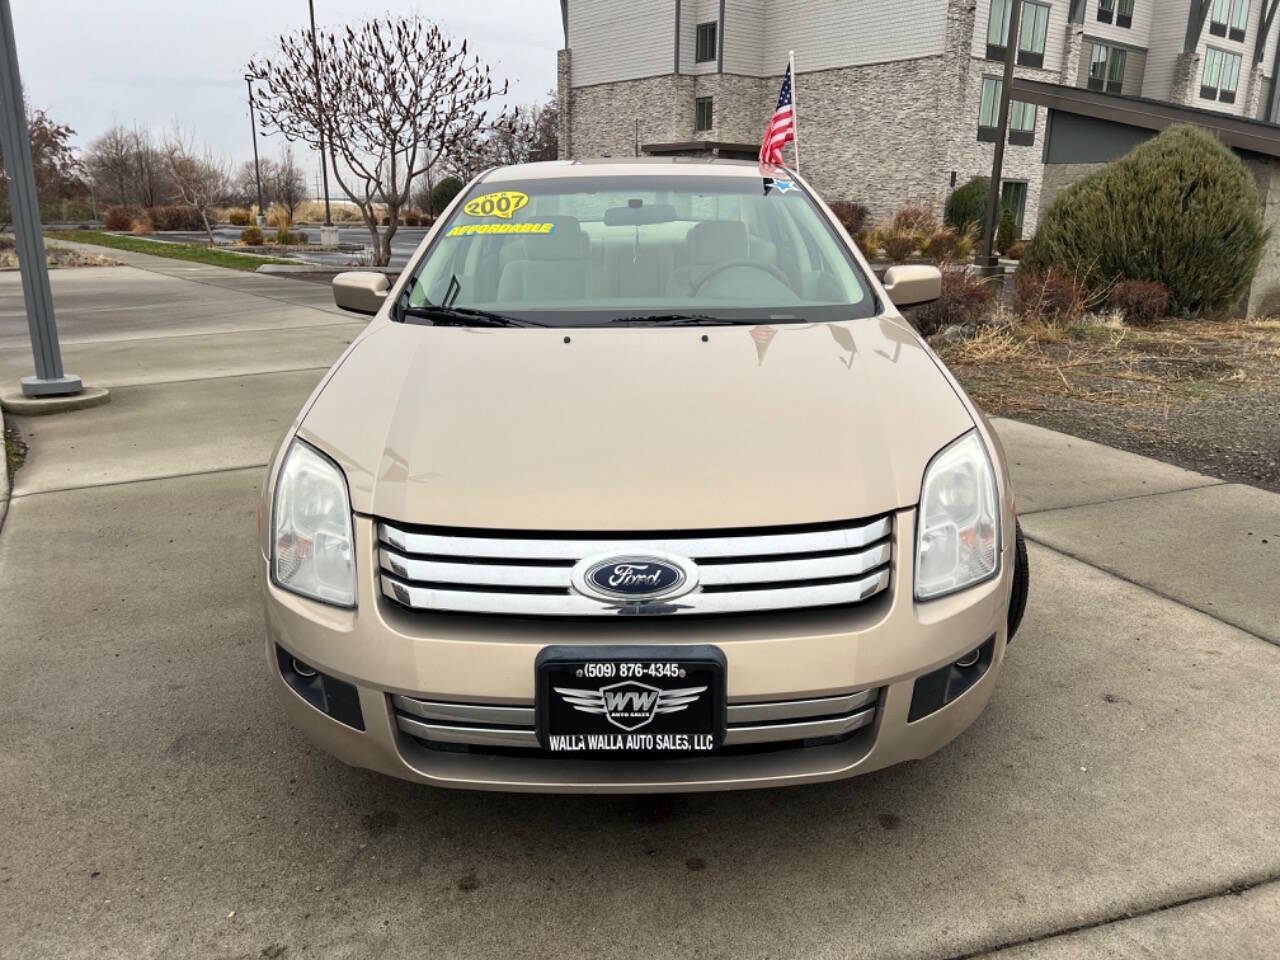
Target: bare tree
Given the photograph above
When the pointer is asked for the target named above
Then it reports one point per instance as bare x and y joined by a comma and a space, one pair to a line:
523, 134
109, 161
199, 178
150, 169
396, 91
288, 182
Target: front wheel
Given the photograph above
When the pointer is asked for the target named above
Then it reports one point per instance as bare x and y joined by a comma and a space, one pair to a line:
1021, 579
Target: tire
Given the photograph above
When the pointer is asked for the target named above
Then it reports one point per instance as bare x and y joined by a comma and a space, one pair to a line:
1021, 581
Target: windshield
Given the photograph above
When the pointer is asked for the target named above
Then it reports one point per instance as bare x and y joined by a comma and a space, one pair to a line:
596, 250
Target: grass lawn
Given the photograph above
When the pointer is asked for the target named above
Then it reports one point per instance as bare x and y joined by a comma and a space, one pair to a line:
175, 251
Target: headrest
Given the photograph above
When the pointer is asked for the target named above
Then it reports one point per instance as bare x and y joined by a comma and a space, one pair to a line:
562, 243
715, 241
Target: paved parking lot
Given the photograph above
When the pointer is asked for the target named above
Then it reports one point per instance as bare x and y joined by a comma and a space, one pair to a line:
1116, 799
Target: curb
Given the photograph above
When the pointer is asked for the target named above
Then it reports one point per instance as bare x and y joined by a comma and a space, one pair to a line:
321, 268
23, 406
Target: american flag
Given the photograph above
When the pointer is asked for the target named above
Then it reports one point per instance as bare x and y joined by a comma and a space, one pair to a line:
782, 127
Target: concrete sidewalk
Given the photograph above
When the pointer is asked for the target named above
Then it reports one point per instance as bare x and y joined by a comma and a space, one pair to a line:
1112, 801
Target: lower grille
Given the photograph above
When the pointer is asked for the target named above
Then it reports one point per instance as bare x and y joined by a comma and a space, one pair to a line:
532, 573
765, 725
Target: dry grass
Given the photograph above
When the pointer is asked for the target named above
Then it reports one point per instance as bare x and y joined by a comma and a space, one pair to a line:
1012, 367
59, 257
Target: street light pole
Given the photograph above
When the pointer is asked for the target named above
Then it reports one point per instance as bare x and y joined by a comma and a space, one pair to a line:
257, 170
1002, 133
315, 59
50, 379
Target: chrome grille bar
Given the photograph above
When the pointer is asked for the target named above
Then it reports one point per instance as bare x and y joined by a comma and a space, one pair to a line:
566, 604
532, 574
552, 547
484, 725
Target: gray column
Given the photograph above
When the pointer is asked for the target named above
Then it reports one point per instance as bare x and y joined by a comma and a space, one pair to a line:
50, 378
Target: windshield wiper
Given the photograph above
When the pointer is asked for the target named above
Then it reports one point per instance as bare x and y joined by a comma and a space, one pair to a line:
442, 316
682, 320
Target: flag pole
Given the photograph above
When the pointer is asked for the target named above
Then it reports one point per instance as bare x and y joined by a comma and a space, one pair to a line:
795, 117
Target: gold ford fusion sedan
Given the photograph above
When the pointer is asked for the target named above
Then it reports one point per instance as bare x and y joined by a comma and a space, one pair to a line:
637, 481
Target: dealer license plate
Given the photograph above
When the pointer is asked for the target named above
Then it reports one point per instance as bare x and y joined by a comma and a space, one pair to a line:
643, 701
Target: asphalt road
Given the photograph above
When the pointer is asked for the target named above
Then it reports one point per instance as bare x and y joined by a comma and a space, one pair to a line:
1116, 799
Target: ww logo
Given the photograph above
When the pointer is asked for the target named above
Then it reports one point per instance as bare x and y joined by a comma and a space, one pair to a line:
630, 705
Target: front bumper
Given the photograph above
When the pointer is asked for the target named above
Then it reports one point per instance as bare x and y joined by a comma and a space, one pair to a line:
885, 644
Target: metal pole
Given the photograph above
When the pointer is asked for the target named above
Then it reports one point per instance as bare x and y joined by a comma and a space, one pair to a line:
795, 118
257, 170
1002, 133
50, 379
315, 57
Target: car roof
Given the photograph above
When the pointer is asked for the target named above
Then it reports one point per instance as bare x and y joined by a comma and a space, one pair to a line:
633, 166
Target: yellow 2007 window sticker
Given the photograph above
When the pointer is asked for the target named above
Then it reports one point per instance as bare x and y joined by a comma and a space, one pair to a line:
502, 204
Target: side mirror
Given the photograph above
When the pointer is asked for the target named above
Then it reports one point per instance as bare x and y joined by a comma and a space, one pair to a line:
908, 284
360, 291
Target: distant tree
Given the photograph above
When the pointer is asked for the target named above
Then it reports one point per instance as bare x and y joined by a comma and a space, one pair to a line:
397, 92
59, 174
109, 162
523, 134
288, 182
443, 193
200, 179
150, 169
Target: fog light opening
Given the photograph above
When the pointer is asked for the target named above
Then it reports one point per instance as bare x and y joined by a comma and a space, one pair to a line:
302, 670
969, 659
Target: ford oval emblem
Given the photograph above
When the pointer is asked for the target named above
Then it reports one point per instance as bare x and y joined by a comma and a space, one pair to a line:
634, 578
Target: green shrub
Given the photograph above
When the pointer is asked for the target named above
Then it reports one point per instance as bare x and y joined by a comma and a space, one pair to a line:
966, 298
1180, 209
442, 193
118, 218
1142, 302
967, 204
251, 236
1006, 230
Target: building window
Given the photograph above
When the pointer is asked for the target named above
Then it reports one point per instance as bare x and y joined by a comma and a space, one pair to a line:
1106, 10
1124, 13
1221, 75
1022, 123
1229, 18
1106, 68
1013, 196
1032, 29
706, 46
1239, 19
1022, 116
702, 114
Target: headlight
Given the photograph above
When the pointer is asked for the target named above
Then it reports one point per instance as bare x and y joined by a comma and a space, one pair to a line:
312, 549
958, 528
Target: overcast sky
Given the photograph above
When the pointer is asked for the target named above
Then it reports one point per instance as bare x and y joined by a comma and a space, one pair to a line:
91, 62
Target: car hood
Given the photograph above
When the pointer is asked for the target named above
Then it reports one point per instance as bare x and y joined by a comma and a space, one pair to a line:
637, 428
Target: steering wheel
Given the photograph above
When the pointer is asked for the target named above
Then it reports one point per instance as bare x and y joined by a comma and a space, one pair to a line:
751, 264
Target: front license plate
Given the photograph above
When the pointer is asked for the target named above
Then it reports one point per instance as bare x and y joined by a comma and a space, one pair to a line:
630, 701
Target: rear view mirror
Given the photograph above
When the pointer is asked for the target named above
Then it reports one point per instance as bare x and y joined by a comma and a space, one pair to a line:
360, 291
912, 283
639, 216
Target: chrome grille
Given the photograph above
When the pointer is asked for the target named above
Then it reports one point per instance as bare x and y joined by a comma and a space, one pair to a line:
529, 574
767, 723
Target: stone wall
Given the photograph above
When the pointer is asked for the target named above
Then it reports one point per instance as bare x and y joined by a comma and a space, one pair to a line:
1263, 298
1058, 176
